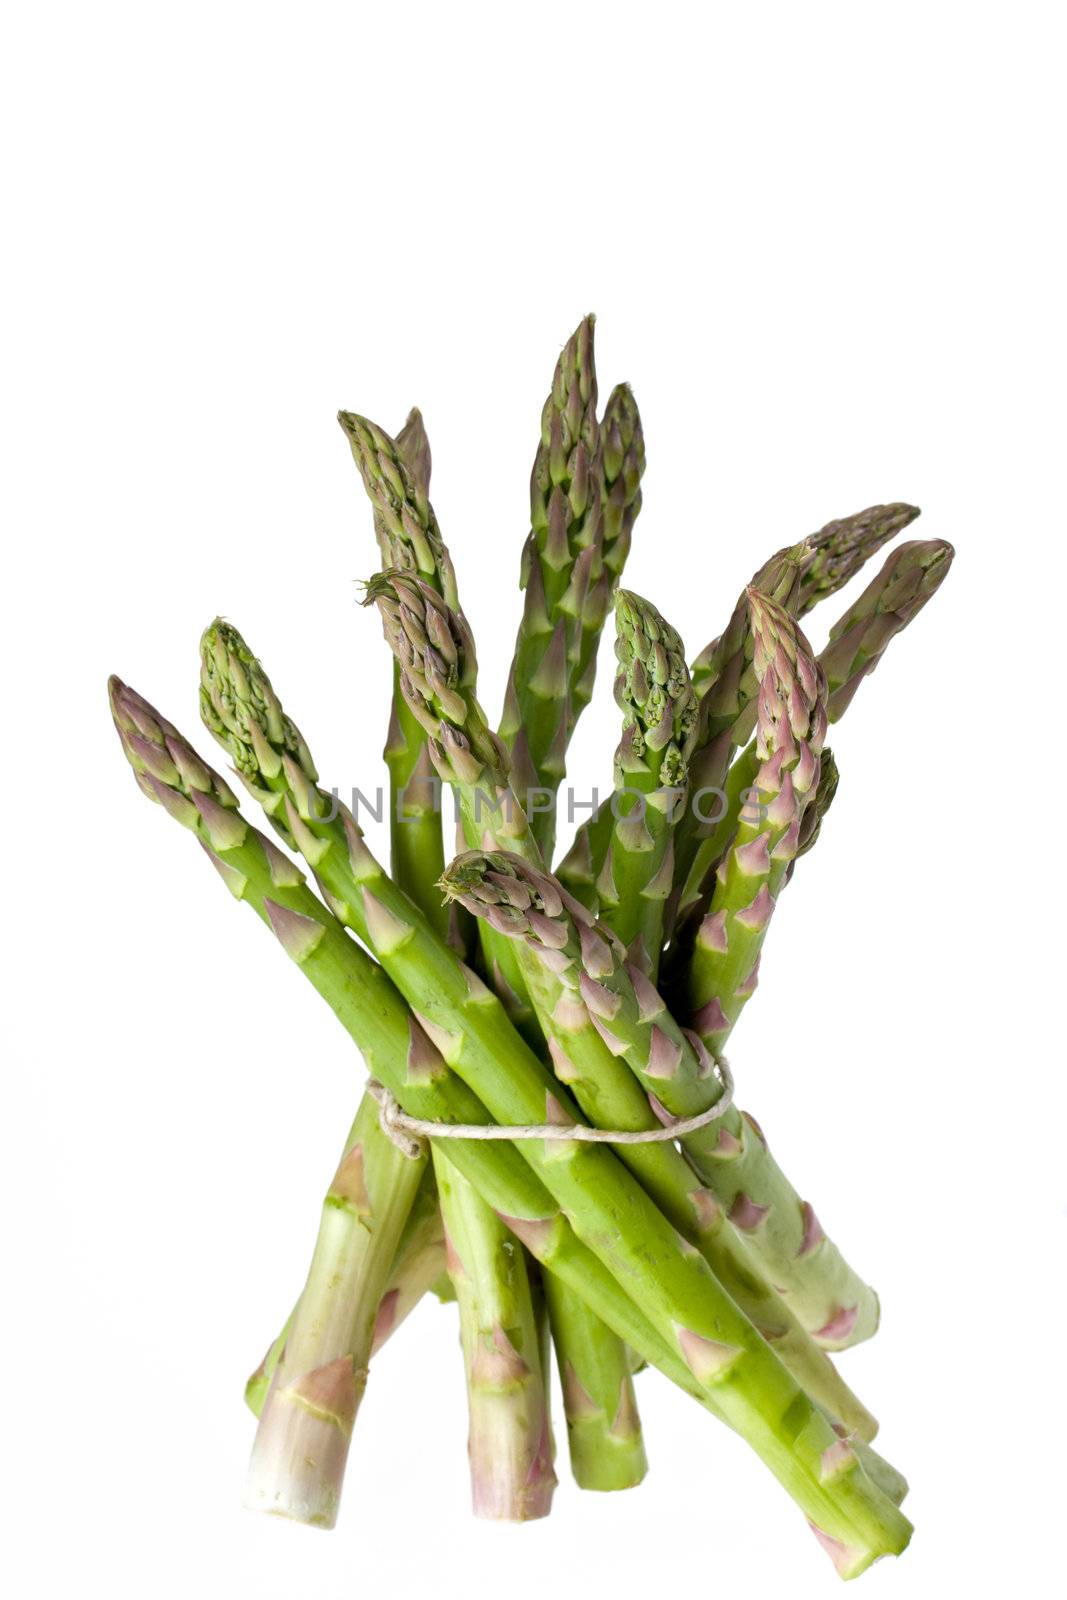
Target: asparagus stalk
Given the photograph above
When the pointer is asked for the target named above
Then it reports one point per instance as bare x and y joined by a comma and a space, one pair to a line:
557, 562
419, 1267
433, 647
596, 1369
396, 474
509, 1443
548, 930
910, 577
654, 691
607, 1450
630, 1275
725, 683
417, 854
240, 708
306, 1423
406, 527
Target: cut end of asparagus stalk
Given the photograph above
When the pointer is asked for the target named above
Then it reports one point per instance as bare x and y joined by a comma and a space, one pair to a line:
301, 1447
507, 1486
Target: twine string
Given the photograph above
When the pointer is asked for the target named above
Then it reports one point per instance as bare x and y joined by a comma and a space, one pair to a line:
410, 1133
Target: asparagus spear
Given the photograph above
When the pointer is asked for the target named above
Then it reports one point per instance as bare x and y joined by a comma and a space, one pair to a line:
659, 707
791, 724
630, 1276
548, 931
396, 474
240, 708
607, 1449
509, 1443
301, 1443
725, 682
557, 561
407, 530
417, 861
910, 577
419, 1267
438, 677
415, 838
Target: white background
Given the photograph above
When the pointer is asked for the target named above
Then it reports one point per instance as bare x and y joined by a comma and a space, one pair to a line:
824, 245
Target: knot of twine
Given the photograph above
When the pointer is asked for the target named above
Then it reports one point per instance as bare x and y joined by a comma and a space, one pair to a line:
409, 1134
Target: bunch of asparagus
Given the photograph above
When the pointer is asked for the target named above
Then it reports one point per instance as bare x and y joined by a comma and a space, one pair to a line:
492, 991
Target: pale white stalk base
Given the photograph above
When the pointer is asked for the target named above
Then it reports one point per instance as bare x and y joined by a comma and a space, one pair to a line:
506, 1484
298, 1462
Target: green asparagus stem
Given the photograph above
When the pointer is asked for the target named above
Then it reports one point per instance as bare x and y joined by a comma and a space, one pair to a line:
659, 707
548, 931
417, 852
396, 475
510, 1436
631, 1269
419, 1268
607, 1450
240, 708
557, 562
433, 647
509, 1444
841, 548
723, 971
301, 1444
